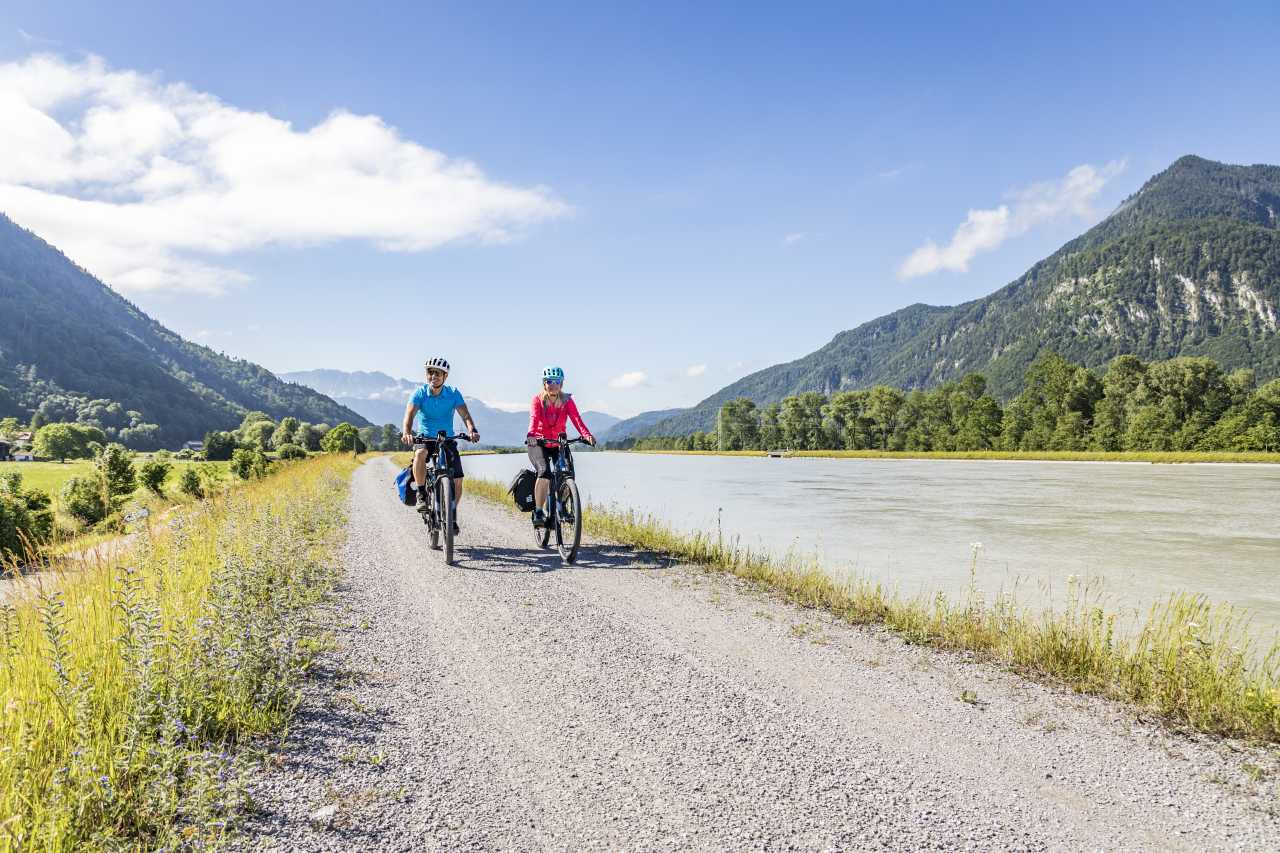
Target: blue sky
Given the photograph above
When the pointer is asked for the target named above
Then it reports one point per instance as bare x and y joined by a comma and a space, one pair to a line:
661, 197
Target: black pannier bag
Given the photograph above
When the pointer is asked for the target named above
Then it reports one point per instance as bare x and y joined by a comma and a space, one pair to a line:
521, 489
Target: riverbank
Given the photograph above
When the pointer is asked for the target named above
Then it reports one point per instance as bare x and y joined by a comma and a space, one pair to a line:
1155, 457
1193, 663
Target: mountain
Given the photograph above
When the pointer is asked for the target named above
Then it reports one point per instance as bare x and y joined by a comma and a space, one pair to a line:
1188, 265
381, 399
71, 348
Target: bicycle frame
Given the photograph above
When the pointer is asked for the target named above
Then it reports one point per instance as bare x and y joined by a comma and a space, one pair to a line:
437, 466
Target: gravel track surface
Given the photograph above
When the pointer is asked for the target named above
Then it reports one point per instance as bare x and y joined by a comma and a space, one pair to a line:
510, 703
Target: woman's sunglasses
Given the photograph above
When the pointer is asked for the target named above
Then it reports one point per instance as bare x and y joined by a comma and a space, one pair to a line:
552, 382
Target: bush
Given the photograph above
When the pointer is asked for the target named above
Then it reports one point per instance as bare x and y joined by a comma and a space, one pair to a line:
25, 517
291, 451
184, 454
83, 499
219, 446
115, 466
153, 473
341, 438
190, 484
248, 463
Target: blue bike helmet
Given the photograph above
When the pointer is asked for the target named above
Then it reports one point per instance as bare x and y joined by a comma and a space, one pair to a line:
555, 374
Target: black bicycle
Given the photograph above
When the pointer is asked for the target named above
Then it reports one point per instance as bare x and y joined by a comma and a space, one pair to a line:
564, 515
440, 506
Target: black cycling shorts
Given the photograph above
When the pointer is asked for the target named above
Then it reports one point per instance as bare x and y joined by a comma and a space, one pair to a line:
542, 458
451, 455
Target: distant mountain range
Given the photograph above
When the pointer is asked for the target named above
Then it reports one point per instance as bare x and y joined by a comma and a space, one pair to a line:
1188, 265
73, 349
381, 399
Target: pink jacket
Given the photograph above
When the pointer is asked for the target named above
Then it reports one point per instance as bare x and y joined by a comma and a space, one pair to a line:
547, 421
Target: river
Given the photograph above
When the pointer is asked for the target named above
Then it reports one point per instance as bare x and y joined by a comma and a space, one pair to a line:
1143, 530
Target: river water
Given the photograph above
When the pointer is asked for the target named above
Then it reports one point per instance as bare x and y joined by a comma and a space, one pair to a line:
1143, 530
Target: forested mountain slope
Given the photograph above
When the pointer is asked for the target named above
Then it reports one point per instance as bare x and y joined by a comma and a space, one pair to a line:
1188, 265
72, 349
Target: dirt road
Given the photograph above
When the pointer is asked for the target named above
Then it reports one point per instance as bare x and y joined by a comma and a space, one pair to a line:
511, 703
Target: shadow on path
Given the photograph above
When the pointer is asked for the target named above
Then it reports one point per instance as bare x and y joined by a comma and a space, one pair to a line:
489, 558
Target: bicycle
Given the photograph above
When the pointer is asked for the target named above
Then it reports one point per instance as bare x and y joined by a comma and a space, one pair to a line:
565, 505
440, 508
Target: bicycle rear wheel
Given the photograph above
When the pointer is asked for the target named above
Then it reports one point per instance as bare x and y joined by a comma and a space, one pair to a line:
446, 517
569, 536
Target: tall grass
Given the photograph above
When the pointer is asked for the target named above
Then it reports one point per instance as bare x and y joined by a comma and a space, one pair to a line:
125, 693
1189, 661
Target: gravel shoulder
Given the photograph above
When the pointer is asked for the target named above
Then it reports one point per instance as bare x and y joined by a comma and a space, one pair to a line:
510, 703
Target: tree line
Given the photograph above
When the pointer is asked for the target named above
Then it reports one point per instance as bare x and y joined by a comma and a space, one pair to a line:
1187, 403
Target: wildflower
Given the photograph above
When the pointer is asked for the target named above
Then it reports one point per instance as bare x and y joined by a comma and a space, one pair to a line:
977, 546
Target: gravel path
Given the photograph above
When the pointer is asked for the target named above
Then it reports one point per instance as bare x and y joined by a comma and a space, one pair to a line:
510, 703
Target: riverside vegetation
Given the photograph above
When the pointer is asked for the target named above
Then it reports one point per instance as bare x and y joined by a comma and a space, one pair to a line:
1183, 405
131, 692
1191, 662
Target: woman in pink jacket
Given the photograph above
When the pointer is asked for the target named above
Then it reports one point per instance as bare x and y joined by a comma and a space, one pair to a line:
548, 412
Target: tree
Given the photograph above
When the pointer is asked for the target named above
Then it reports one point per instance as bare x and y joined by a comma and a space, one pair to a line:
882, 407
114, 465
801, 421
252, 418
845, 420
83, 499
285, 433
9, 427
258, 434
63, 441
343, 437
738, 425
770, 429
248, 463
218, 446
154, 472
291, 451
308, 437
390, 437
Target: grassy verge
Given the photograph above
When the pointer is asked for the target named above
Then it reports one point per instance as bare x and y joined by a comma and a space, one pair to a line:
1191, 662
1161, 457
126, 692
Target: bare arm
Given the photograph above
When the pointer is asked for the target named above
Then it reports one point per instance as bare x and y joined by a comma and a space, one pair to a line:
466, 419
406, 432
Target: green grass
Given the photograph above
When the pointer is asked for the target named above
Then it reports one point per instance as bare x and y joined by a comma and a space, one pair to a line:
1191, 662
52, 476
129, 693
1162, 457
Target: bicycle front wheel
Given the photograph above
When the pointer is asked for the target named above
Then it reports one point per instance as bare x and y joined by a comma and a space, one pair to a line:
570, 534
446, 517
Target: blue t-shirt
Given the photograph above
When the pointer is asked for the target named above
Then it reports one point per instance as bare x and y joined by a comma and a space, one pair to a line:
435, 411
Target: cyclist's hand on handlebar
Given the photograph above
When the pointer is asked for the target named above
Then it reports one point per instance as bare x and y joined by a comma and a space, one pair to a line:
591, 440
475, 435
406, 438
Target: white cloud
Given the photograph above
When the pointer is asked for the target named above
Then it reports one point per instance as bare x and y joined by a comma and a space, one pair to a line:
794, 237
695, 370
984, 230
146, 183
629, 380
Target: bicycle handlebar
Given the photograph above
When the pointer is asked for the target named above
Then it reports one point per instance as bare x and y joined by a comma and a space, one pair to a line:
542, 442
417, 439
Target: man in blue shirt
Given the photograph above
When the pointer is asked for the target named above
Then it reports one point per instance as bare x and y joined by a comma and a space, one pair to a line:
429, 412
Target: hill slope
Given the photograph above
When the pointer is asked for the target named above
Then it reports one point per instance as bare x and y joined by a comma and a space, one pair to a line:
72, 347
1188, 265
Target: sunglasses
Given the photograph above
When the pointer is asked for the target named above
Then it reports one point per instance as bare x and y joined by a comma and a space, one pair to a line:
436, 373
552, 382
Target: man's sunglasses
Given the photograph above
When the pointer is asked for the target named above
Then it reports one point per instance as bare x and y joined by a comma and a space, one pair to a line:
436, 373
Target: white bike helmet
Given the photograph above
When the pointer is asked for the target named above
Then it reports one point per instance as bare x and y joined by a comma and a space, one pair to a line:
437, 363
